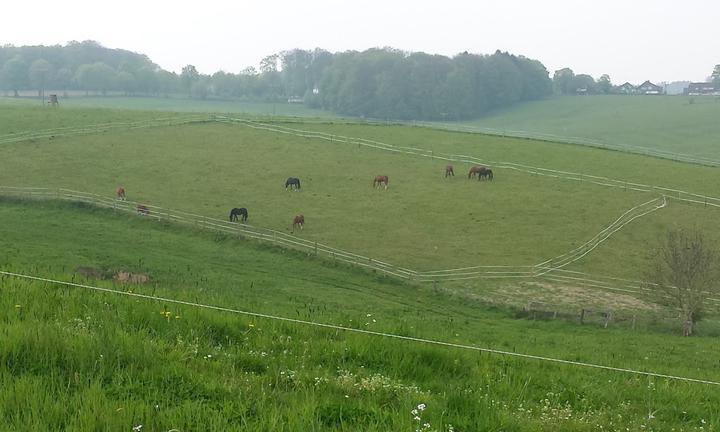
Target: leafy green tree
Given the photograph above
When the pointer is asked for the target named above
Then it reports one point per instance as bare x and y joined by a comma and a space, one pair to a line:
684, 272
63, 79
583, 81
188, 77
126, 82
167, 82
40, 71
98, 77
15, 74
604, 85
146, 80
563, 81
715, 76
199, 90
269, 64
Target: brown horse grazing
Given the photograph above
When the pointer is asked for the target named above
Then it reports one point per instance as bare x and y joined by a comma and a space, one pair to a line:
142, 209
449, 171
298, 221
120, 192
380, 180
476, 170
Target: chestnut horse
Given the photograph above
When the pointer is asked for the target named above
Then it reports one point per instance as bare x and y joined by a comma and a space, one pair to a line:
298, 221
449, 171
242, 212
120, 192
380, 180
142, 209
477, 170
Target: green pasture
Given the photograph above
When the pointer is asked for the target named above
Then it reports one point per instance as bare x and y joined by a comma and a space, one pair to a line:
423, 221
668, 123
73, 359
180, 104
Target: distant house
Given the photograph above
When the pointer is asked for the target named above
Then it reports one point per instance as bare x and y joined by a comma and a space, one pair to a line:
648, 88
626, 88
581, 91
703, 89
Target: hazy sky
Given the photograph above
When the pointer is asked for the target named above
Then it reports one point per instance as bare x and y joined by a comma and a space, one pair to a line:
630, 40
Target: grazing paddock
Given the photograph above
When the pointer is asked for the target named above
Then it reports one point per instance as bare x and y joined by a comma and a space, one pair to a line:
423, 221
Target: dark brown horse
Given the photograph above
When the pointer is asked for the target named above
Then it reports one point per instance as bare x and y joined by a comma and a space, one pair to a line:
449, 171
380, 180
292, 182
298, 221
242, 212
120, 192
487, 174
142, 209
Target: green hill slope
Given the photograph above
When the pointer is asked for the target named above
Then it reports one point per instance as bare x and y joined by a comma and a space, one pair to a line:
659, 123
74, 359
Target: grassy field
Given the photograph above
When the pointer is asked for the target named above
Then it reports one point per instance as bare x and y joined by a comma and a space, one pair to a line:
657, 124
22, 116
667, 123
422, 221
181, 104
82, 360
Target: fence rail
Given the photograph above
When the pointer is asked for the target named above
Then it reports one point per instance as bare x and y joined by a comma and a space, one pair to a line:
102, 127
668, 193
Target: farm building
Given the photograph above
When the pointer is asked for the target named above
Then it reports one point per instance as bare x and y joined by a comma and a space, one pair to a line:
703, 89
648, 88
626, 88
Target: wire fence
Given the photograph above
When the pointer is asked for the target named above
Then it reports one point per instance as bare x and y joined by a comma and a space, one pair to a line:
319, 249
102, 127
540, 136
676, 194
335, 327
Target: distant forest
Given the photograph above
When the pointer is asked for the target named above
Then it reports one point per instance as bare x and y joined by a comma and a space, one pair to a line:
376, 83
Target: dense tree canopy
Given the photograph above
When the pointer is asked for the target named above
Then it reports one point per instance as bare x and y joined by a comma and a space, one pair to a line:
380, 83
715, 76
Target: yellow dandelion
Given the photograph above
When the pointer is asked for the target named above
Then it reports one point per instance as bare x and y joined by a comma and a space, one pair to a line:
18, 306
177, 316
251, 325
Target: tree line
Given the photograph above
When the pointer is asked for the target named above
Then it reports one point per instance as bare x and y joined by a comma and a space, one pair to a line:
378, 83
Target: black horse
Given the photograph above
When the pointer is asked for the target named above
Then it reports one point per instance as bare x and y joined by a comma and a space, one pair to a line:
292, 181
242, 212
487, 173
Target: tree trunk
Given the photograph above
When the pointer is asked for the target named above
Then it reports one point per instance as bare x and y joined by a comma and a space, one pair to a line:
16, 93
688, 326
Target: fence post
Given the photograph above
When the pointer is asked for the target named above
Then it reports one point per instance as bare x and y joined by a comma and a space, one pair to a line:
632, 322
315, 248
582, 316
608, 318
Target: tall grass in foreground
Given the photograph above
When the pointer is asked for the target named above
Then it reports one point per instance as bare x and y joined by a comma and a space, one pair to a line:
71, 360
